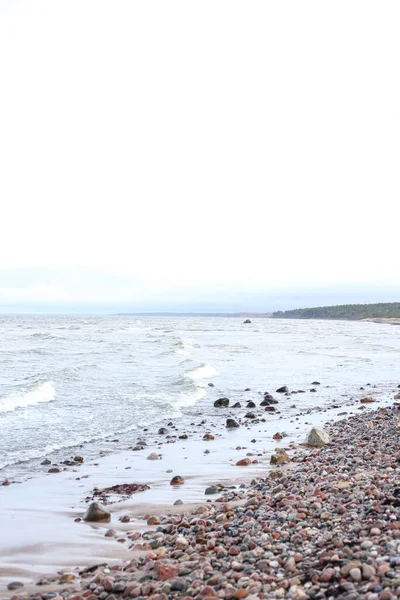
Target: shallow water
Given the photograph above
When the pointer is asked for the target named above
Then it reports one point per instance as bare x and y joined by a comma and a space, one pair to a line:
71, 381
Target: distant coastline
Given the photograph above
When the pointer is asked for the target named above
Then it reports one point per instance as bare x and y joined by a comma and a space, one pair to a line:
383, 312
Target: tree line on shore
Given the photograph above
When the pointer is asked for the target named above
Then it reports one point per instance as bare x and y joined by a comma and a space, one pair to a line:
343, 311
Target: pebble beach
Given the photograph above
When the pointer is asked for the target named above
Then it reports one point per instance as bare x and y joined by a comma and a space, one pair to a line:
322, 523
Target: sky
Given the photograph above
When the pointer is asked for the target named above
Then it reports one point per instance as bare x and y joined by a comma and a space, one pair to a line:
204, 155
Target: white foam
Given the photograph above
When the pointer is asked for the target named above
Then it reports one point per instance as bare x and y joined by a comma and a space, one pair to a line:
45, 392
183, 347
190, 399
203, 372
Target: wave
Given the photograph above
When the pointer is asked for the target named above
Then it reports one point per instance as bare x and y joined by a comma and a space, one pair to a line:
183, 347
203, 372
45, 392
46, 336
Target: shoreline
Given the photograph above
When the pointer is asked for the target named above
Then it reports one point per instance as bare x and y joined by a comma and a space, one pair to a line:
60, 497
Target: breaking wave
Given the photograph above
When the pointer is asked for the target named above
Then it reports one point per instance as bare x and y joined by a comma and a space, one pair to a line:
203, 372
45, 392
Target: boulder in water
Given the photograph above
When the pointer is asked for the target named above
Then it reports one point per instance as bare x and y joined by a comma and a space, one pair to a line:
231, 423
96, 512
222, 403
317, 437
246, 322
237, 405
177, 480
163, 431
283, 390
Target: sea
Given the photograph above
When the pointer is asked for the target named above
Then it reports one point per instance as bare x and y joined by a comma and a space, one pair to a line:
71, 385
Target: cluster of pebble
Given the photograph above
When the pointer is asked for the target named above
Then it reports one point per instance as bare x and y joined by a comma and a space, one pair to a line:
325, 526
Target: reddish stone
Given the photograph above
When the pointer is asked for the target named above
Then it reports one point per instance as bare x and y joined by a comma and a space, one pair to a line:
243, 463
165, 572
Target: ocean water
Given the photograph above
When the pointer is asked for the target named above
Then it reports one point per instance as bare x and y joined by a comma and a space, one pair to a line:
68, 383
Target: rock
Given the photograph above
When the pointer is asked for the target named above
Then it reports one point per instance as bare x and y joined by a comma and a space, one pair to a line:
317, 437
153, 456
315, 383
78, 459
165, 572
163, 431
279, 458
231, 423
251, 404
283, 390
208, 437
367, 400
125, 519
237, 405
243, 463
210, 384
277, 436
355, 574
96, 512
178, 502
214, 489
5, 482
250, 415
246, 322
110, 533
67, 577
397, 396
177, 480
53, 470
222, 403
46, 461
270, 409
15, 585
153, 521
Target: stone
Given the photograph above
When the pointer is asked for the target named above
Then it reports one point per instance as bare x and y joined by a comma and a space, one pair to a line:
153, 521
231, 423
208, 437
54, 470
46, 461
270, 409
96, 512
213, 489
237, 405
277, 436
153, 456
279, 458
165, 572
177, 480
317, 437
250, 415
315, 383
15, 585
178, 502
246, 322
355, 574
67, 577
251, 404
243, 462
78, 459
367, 400
221, 403
282, 390
163, 431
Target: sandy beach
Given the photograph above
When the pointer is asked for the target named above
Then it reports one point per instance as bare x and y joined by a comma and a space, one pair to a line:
43, 534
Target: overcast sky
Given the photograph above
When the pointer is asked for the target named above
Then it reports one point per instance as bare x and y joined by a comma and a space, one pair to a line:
216, 154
